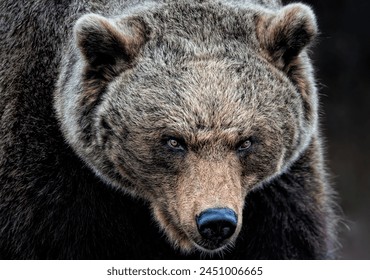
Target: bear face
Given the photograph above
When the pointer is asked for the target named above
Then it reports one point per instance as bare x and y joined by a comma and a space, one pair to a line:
191, 116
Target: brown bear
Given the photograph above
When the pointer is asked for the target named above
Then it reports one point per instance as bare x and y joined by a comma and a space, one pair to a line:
160, 129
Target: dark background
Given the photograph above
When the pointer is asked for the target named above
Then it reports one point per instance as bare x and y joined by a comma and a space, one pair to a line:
342, 59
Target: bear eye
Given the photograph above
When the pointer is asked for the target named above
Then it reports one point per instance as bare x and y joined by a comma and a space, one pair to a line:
174, 144
245, 145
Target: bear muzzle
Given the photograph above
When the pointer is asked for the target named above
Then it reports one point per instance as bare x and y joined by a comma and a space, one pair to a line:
215, 226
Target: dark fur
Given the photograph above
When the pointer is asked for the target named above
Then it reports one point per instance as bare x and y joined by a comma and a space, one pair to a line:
53, 206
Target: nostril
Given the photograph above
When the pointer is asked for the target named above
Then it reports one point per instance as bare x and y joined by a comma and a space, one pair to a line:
217, 224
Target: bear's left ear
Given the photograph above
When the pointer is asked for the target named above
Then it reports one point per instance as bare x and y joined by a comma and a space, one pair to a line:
104, 42
285, 34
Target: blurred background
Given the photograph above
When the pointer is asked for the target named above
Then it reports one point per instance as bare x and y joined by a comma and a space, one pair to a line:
342, 60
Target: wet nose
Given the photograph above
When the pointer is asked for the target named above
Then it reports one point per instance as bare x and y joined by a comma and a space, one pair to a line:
217, 224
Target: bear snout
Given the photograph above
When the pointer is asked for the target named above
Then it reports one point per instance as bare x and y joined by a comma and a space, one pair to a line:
217, 224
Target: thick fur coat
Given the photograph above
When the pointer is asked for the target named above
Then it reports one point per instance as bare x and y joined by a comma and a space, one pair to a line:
121, 121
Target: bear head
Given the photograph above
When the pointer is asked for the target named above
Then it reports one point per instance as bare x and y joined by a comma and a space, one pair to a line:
190, 106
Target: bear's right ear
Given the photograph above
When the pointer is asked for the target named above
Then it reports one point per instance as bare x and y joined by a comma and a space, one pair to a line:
104, 42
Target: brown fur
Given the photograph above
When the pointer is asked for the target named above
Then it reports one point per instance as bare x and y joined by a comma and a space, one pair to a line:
88, 165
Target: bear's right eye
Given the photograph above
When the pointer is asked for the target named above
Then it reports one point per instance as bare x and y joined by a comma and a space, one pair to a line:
175, 144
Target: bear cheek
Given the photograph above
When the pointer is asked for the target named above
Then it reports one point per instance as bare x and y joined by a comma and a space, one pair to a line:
170, 225
266, 160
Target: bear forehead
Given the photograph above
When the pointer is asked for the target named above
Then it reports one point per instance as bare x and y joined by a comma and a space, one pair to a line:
202, 68
211, 94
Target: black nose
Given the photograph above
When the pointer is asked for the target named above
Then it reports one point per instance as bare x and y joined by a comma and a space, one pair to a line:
217, 224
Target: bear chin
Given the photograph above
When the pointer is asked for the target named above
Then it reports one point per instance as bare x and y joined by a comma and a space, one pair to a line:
218, 251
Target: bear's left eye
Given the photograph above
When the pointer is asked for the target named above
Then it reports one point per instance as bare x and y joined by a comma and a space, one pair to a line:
245, 145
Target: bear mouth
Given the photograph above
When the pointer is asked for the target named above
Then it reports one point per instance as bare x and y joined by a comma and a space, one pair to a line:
211, 247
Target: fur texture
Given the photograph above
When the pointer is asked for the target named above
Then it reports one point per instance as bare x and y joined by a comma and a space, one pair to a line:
94, 94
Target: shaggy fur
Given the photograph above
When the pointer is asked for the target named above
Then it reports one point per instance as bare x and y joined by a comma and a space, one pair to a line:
93, 92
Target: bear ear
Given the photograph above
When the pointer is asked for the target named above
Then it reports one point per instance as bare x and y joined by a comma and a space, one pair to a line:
284, 35
104, 42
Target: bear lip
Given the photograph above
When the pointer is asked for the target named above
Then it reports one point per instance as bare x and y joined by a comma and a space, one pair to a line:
215, 250
213, 247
